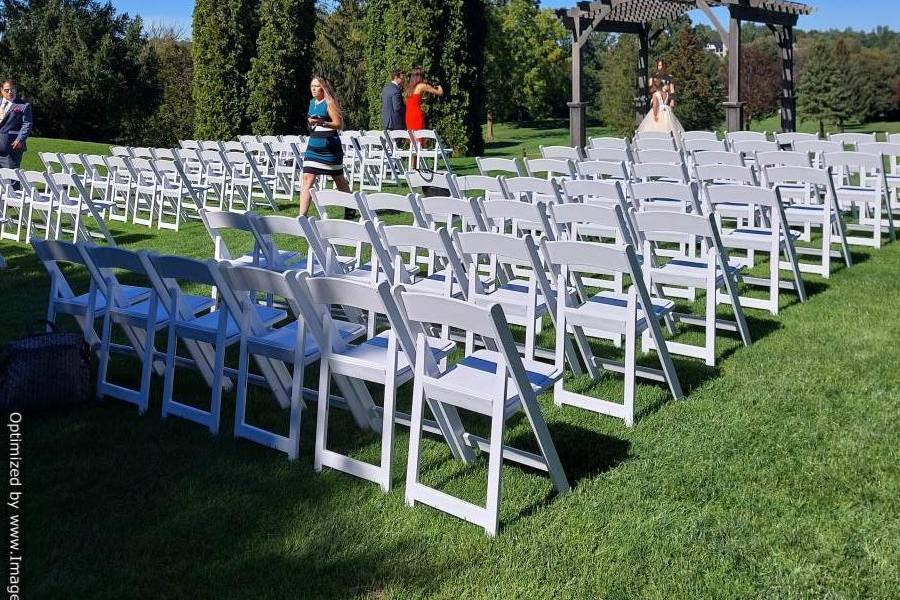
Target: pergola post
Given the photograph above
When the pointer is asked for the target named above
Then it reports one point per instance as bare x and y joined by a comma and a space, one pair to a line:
734, 108
576, 106
642, 99
788, 101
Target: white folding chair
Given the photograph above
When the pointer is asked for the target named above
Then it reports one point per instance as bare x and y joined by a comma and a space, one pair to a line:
704, 145
658, 155
774, 238
461, 213
344, 201
623, 155
787, 138
861, 186
403, 149
710, 271
219, 221
493, 382
716, 157
816, 148
74, 203
41, 197
430, 148
376, 164
816, 207
407, 245
652, 171
274, 347
87, 306
270, 230
140, 321
890, 154
748, 148
647, 141
145, 190
852, 140
179, 197
385, 359
437, 180
698, 135
52, 161
741, 136
611, 313
206, 336
119, 187
554, 168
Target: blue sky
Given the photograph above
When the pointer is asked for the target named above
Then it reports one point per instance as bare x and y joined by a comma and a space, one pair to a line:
857, 14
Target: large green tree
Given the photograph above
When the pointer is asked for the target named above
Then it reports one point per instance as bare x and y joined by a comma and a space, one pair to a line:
173, 118
526, 80
341, 56
280, 72
824, 91
224, 42
82, 66
444, 37
696, 74
618, 82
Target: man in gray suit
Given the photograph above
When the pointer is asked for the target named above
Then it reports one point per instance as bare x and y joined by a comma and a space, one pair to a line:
15, 126
393, 111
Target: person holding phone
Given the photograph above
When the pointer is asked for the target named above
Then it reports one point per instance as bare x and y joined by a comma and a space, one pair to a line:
324, 153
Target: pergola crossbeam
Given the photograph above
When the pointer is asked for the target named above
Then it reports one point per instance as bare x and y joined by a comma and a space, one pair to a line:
636, 17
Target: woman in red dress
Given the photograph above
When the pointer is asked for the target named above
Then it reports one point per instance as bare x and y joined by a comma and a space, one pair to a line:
417, 86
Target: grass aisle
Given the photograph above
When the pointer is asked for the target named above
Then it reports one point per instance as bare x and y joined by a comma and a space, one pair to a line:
777, 477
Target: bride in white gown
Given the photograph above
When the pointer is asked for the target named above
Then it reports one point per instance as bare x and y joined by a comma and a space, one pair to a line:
661, 117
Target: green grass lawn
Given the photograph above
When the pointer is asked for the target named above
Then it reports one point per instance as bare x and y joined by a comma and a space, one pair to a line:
776, 477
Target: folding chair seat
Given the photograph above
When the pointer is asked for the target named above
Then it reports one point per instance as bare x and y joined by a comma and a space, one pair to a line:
561, 152
205, 336
603, 169
74, 203
534, 189
274, 348
64, 300
776, 239
611, 313
711, 271
818, 208
139, 320
495, 383
491, 188
508, 167
14, 199
385, 359
860, 185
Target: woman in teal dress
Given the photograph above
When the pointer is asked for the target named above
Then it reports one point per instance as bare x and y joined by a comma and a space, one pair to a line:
324, 154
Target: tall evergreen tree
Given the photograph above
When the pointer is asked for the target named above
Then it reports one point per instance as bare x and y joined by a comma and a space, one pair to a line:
696, 74
824, 91
618, 80
279, 75
224, 42
444, 37
342, 56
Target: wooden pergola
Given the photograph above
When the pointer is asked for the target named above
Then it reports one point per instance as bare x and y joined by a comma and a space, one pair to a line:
648, 18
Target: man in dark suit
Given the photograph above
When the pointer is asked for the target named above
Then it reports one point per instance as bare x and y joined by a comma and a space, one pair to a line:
15, 126
393, 110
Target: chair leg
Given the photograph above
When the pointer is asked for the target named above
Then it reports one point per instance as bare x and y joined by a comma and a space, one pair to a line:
710, 333
215, 409
495, 469
104, 355
322, 413
169, 376
415, 438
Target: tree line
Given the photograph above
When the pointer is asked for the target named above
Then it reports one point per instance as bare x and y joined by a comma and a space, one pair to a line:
95, 74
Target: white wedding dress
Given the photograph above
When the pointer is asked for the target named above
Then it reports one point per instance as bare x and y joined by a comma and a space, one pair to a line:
666, 122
